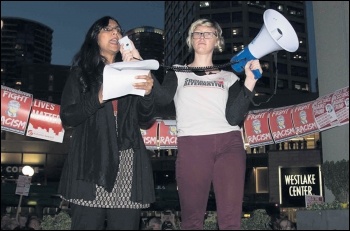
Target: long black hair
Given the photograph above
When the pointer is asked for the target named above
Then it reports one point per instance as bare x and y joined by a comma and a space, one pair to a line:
88, 60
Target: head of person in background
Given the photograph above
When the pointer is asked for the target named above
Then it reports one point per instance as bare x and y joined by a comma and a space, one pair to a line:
154, 223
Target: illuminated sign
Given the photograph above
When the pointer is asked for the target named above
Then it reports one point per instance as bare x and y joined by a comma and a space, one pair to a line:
298, 182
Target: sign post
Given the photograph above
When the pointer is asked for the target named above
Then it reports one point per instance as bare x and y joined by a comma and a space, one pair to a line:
23, 186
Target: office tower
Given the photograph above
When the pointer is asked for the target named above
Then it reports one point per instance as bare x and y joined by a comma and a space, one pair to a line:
23, 41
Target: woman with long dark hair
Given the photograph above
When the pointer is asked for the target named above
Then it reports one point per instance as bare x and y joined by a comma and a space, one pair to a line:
107, 176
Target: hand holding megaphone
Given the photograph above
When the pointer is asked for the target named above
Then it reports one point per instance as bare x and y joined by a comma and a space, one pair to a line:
276, 34
253, 69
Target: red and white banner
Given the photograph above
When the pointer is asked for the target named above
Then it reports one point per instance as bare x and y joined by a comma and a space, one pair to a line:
324, 113
167, 134
303, 119
150, 136
340, 102
44, 122
15, 110
281, 125
256, 127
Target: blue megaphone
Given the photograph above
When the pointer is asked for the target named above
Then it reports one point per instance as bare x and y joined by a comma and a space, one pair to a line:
276, 34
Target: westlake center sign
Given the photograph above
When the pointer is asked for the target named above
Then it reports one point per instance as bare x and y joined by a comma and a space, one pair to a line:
298, 182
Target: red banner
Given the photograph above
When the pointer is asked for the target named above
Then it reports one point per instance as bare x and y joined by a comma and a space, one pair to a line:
303, 119
44, 122
340, 102
281, 124
167, 134
15, 109
256, 127
150, 136
324, 113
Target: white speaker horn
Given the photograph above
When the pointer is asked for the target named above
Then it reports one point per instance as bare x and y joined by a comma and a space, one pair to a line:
276, 34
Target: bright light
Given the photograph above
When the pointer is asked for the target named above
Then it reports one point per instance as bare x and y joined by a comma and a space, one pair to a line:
28, 171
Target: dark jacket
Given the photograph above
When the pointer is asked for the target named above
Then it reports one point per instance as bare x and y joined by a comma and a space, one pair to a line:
93, 156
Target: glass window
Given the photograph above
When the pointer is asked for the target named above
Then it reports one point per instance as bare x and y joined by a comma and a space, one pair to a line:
237, 16
295, 11
36, 159
222, 18
282, 84
226, 33
237, 32
11, 158
257, 18
262, 180
253, 32
220, 4
298, 27
276, 6
299, 71
282, 68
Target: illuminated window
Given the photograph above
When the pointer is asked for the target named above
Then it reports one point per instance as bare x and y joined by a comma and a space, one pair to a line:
262, 180
11, 158
35, 159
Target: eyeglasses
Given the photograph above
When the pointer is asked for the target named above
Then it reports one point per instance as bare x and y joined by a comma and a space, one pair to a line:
207, 35
110, 29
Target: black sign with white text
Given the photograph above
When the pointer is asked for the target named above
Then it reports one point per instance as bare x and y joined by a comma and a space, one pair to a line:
296, 183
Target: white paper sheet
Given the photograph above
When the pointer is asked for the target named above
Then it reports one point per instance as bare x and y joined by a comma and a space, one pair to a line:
119, 77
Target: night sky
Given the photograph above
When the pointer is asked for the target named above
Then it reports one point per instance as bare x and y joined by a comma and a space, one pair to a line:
70, 20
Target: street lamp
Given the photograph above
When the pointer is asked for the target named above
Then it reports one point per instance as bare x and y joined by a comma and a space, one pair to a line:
23, 185
28, 171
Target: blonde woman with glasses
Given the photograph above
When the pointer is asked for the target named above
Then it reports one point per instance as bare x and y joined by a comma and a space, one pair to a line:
210, 108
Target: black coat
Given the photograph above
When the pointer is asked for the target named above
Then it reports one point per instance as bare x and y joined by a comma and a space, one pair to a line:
93, 157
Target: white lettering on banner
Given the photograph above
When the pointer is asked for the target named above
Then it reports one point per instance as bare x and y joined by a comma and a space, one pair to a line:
306, 127
44, 105
15, 96
257, 116
46, 116
295, 191
281, 112
13, 122
150, 140
300, 179
259, 138
301, 108
283, 133
167, 140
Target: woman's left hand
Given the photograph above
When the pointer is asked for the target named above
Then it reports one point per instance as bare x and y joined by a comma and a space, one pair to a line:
131, 54
146, 85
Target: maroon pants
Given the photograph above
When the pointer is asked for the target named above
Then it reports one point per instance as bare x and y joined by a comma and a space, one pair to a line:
219, 159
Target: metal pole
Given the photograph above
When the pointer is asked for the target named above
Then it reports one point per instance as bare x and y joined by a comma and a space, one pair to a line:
19, 208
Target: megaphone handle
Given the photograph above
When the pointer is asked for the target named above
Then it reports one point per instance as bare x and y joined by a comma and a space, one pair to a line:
257, 74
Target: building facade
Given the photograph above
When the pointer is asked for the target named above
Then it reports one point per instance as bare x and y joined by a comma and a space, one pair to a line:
23, 41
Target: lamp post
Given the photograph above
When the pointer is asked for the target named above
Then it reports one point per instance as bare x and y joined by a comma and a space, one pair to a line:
23, 185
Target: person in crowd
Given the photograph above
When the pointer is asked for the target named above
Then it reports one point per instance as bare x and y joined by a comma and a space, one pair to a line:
107, 175
33, 223
154, 223
211, 105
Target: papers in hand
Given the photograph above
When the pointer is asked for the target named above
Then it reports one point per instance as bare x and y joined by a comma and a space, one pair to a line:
119, 77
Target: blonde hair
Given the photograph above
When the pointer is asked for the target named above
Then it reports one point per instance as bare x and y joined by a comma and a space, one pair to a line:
220, 43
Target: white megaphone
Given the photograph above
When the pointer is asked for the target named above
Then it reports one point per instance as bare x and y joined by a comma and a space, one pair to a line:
276, 34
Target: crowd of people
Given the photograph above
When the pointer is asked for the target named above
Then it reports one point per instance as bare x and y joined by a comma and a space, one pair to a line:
30, 222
